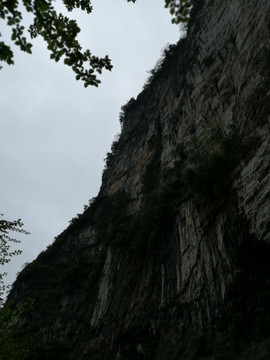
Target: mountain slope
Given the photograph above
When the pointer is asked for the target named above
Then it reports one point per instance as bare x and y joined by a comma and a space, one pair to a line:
171, 259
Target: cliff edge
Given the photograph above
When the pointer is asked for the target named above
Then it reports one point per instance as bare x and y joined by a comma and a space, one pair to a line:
171, 259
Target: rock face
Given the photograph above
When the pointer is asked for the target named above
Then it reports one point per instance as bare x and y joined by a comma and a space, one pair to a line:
177, 242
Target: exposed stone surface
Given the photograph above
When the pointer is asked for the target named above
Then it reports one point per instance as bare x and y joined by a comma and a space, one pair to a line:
119, 298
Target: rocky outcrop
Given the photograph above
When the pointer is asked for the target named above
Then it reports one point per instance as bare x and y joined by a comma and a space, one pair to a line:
177, 242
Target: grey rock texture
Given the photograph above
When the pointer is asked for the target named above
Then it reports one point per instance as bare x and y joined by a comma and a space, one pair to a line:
187, 245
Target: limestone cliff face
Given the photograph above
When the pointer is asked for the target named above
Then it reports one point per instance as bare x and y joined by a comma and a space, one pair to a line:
178, 238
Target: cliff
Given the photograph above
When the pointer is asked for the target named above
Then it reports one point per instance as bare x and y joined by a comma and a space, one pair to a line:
171, 259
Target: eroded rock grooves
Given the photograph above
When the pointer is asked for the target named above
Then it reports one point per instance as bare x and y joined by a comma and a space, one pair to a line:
172, 258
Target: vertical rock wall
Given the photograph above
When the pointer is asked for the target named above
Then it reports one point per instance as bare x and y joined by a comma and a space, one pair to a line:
185, 245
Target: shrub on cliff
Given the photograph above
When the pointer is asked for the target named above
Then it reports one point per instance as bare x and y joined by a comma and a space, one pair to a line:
209, 175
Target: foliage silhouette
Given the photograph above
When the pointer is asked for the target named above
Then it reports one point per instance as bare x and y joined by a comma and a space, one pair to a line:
60, 33
6, 242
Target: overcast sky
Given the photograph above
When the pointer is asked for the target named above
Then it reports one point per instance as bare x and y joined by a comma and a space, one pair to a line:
55, 133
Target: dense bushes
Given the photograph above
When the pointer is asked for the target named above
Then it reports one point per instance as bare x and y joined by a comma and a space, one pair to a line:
15, 341
212, 160
209, 178
144, 231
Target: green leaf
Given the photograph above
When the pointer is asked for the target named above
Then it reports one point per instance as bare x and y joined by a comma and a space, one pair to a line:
13, 36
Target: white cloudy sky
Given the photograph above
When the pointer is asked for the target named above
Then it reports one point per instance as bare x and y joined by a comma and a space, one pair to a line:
54, 133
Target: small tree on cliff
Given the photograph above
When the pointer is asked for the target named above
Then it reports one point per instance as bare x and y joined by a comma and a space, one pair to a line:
6, 242
60, 33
